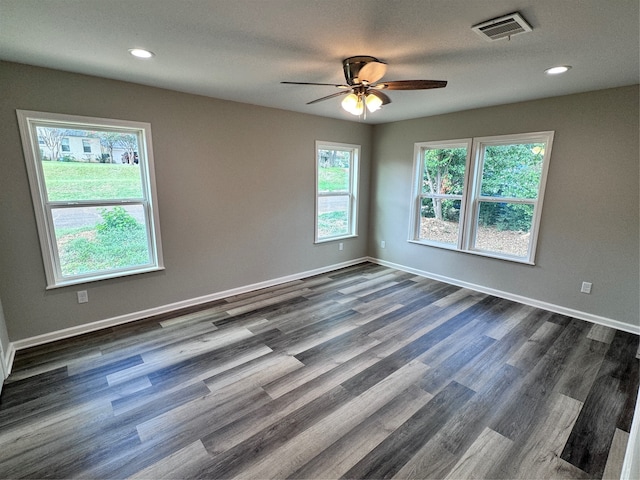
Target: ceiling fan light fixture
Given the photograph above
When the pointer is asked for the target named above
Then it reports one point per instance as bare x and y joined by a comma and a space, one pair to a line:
353, 104
362, 92
373, 102
359, 107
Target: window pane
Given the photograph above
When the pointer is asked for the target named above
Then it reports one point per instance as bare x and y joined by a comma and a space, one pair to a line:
444, 171
333, 170
110, 171
99, 239
333, 216
439, 220
512, 171
504, 228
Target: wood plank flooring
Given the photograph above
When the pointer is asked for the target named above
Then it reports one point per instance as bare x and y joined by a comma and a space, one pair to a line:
365, 372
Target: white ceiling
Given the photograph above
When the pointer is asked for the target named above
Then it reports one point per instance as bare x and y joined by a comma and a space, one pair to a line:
242, 49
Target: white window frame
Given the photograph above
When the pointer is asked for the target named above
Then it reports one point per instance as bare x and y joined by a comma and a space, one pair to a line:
28, 121
418, 169
471, 198
352, 193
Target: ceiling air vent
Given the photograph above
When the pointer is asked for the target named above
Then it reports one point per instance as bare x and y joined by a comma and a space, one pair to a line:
503, 27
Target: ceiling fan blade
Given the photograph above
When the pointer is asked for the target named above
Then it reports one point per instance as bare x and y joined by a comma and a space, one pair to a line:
344, 92
385, 98
372, 72
312, 83
411, 84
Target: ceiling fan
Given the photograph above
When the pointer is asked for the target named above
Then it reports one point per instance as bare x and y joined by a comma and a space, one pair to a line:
363, 87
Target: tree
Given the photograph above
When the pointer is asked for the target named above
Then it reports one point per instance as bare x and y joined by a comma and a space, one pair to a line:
129, 142
443, 174
52, 138
108, 141
511, 171
334, 158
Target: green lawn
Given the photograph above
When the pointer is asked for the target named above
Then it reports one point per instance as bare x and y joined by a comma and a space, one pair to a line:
333, 179
91, 181
331, 224
119, 241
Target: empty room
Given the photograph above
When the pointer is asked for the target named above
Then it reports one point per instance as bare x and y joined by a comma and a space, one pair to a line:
268, 239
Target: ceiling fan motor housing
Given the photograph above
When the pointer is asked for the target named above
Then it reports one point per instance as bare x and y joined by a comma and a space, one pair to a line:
352, 66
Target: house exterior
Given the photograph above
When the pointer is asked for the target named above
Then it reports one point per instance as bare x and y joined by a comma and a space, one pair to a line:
77, 146
72, 146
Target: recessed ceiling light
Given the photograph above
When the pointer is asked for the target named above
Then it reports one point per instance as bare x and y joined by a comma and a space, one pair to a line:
141, 53
557, 70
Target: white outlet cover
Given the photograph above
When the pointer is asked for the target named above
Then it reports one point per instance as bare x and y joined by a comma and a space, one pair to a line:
83, 296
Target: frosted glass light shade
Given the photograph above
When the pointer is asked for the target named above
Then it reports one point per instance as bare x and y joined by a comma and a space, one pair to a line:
352, 104
373, 102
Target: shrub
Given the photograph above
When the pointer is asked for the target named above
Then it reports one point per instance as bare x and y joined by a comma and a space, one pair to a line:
118, 241
116, 220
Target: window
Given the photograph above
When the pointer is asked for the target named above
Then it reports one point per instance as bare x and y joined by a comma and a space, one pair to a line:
440, 197
65, 145
336, 190
86, 146
481, 195
96, 218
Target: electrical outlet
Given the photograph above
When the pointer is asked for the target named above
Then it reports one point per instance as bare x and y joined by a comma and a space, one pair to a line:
341, 246
383, 244
586, 287
83, 296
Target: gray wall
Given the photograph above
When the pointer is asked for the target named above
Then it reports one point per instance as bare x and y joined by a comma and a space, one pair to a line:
589, 228
235, 190
236, 198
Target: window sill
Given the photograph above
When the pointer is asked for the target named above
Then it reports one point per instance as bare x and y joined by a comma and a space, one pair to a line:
479, 253
333, 239
97, 278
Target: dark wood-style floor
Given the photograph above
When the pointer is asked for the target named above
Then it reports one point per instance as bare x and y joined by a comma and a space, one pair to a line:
366, 372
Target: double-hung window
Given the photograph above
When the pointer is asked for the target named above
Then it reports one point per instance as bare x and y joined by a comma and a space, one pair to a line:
97, 216
336, 191
440, 191
481, 195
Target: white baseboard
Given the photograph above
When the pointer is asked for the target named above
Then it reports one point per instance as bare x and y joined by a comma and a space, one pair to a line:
3, 371
6, 362
9, 355
608, 322
631, 464
131, 317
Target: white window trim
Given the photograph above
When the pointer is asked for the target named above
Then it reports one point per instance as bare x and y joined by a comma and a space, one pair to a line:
471, 195
352, 194
418, 173
27, 121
